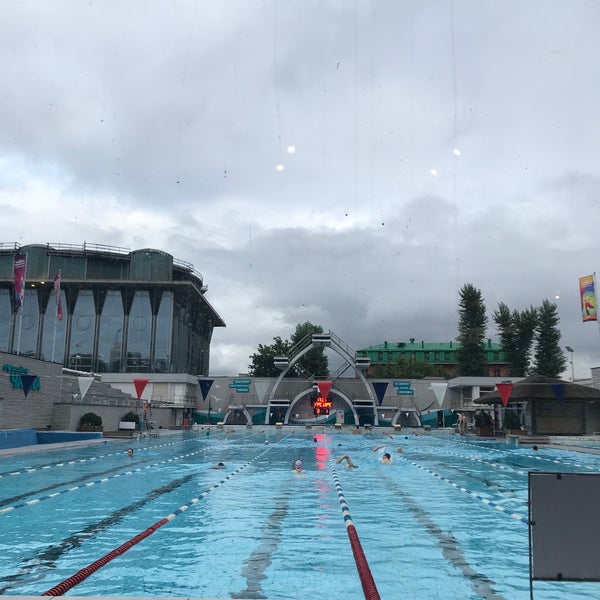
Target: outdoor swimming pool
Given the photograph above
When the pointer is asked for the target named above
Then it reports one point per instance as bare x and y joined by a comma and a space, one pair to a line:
448, 519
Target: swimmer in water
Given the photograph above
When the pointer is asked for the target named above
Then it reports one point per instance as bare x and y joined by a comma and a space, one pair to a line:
298, 467
351, 465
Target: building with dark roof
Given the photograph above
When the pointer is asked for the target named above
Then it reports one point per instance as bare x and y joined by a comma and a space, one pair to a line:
113, 311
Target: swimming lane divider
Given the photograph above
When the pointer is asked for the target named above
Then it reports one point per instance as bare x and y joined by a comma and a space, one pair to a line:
364, 571
521, 518
82, 574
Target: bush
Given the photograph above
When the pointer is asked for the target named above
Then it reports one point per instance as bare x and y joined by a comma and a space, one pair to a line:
91, 419
131, 417
511, 420
483, 419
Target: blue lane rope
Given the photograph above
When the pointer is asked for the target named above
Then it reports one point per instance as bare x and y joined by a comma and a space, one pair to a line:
82, 574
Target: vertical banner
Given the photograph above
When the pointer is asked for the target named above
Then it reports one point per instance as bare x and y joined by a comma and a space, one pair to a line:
19, 268
504, 389
59, 312
587, 291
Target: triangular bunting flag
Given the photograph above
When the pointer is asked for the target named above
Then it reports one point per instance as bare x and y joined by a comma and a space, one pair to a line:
27, 381
140, 386
261, 388
324, 387
559, 390
504, 389
380, 387
205, 386
439, 389
84, 385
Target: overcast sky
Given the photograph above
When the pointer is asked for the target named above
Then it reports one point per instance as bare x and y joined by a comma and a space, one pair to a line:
348, 163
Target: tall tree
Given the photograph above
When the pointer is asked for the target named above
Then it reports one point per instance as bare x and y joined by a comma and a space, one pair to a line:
263, 360
472, 321
517, 332
549, 358
315, 361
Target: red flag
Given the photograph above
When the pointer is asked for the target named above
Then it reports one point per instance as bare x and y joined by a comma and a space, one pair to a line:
504, 389
140, 385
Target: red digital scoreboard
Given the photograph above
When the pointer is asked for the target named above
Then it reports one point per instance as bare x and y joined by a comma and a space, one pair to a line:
321, 406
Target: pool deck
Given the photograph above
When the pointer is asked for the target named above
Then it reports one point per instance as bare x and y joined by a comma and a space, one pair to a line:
567, 442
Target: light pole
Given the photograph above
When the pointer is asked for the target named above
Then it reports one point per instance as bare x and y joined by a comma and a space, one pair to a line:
570, 350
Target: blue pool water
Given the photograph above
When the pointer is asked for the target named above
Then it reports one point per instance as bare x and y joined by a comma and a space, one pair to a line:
448, 519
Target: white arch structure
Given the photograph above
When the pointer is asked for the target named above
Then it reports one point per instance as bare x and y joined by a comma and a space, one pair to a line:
321, 340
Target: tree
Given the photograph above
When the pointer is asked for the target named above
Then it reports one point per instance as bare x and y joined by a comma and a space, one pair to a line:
407, 369
315, 360
472, 321
549, 359
263, 360
517, 332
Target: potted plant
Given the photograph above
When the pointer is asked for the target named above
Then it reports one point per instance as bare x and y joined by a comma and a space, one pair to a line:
129, 421
483, 424
512, 422
90, 422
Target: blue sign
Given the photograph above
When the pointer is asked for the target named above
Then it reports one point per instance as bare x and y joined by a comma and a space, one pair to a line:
241, 386
403, 388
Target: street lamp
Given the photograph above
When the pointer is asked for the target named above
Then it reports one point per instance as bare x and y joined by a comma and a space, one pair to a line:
569, 349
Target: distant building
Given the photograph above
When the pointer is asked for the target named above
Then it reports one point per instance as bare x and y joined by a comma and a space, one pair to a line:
118, 311
438, 354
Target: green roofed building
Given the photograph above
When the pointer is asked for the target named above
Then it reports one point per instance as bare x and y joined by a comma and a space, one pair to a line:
437, 354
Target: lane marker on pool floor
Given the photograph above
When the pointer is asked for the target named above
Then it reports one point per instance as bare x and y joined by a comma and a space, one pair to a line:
82, 574
364, 571
521, 518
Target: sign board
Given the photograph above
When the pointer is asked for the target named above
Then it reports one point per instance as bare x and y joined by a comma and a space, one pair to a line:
241, 386
403, 388
564, 530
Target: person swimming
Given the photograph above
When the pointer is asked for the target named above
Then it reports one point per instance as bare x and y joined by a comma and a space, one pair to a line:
298, 467
351, 465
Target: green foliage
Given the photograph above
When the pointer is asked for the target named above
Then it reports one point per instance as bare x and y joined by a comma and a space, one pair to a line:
314, 362
511, 420
549, 358
472, 322
407, 369
131, 417
517, 332
483, 419
91, 419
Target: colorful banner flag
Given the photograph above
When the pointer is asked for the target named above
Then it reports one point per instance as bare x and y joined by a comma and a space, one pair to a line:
205, 386
380, 387
324, 387
587, 292
504, 389
140, 386
59, 311
439, 389
19, 268
28, 381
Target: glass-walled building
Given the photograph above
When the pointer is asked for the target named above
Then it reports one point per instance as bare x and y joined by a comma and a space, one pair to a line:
106, 309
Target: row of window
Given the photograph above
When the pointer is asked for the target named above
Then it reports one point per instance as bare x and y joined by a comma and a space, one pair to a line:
435, 357
108, 342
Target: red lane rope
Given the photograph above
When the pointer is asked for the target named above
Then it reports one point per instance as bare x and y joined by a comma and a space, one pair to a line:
67, 584
364, 571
